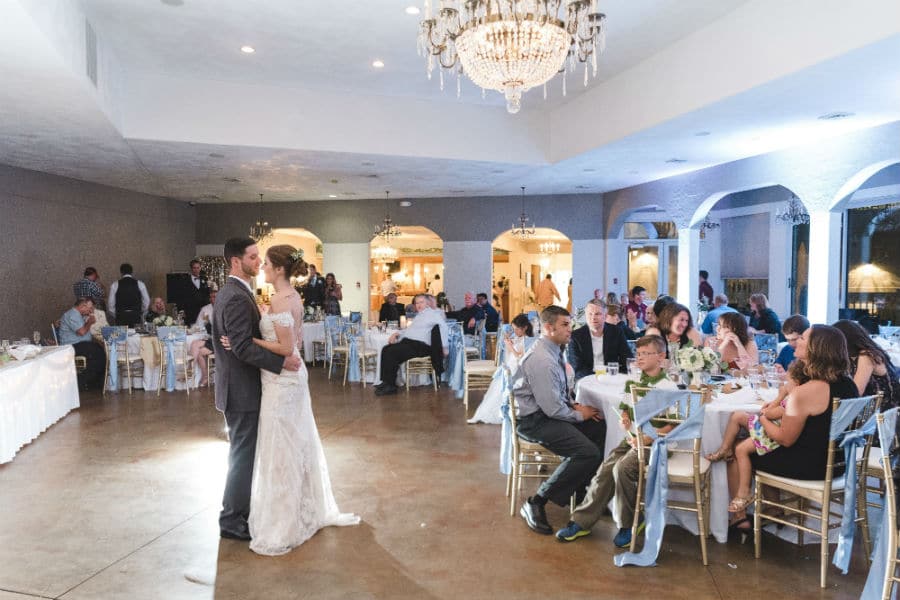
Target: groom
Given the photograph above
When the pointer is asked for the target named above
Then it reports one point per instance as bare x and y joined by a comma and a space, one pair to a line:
238, 387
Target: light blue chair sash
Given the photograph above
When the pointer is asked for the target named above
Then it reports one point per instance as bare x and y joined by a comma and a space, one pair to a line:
457, 360
113, 336
880, 557
168, 337
502, 333
766, 342
332, 325
851, 441
355, 317
651, 405
506, 432
351, 332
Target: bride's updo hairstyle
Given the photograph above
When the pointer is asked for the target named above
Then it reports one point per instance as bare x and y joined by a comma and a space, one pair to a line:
289, 258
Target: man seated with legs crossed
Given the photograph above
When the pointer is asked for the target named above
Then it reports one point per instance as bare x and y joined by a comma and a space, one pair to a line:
411, 342
618, 475
547, 416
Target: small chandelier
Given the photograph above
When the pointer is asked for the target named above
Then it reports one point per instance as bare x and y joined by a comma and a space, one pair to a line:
512, 46
261, 230
708, 225
387, 229
792, 213
521, 230
549, 248
384, 254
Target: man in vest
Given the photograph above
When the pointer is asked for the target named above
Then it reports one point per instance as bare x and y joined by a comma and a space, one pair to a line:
128, 298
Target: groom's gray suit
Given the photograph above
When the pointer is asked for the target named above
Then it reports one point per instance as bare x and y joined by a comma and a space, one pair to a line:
238, 392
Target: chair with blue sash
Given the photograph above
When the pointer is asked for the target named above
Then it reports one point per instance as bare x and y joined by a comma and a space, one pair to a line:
883, 568
665, 464
478, 374
847, 416
456, 359
492, 339
336, 350
360, 360
870, 468
767, 343
115, 341
174, 358
355, 317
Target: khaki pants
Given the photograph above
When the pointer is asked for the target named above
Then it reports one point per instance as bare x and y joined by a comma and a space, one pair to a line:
616, 478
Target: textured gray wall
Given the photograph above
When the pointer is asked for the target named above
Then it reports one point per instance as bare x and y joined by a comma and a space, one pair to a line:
453, 219
53, 227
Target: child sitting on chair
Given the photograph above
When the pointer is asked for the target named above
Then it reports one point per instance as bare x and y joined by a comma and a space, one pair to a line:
758, 442
618, 474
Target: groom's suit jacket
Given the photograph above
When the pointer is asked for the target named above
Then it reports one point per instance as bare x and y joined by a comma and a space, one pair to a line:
235, 314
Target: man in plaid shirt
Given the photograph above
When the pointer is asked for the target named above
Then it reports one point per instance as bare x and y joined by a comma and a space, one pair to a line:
89, 287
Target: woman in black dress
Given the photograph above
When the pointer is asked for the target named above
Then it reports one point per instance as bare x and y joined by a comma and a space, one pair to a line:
870, 366
804, 429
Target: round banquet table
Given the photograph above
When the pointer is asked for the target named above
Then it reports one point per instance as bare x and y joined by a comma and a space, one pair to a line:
313, 331
141, 346
376, 340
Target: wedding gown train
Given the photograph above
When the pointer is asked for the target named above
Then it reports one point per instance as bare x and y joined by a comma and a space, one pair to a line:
291, 496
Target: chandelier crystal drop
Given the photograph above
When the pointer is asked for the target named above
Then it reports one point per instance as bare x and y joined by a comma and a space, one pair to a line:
792, 213
261, 230
522, 230
387, 230
512, 46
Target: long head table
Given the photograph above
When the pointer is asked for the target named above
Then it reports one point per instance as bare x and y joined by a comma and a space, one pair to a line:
35, 394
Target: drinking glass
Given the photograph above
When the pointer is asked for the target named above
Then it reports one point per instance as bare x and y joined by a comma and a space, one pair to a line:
600, 370
612, 368
36, 336
755, 381
630, 363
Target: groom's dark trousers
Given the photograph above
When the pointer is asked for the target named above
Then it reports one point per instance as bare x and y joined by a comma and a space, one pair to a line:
238, 391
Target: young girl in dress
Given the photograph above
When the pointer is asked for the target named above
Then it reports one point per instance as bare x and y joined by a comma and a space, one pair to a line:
758, 442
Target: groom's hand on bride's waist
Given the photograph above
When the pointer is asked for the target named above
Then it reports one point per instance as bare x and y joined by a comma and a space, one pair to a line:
291, 363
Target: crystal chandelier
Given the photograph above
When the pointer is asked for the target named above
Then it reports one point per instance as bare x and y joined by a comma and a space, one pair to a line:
521, 230
384, 254
707, 225
512, 46
549, 248
387, 230
261, 230
792, 213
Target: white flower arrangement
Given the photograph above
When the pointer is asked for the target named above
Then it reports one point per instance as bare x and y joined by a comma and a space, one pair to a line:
164, 321
297, 255
696, 359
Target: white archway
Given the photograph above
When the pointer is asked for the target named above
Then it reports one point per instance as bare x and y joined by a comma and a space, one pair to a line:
410, 264
522, 265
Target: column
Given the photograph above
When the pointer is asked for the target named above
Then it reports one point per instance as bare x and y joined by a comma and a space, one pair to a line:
350, 264
467, 268
824, 266
688, 266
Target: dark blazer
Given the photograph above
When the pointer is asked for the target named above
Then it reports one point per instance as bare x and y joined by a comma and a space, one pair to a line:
314, 295
195, 299
391, 312
581, 351
238, 386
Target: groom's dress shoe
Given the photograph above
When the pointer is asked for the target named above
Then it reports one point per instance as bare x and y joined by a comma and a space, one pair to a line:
230, 535
386, 390
535, 517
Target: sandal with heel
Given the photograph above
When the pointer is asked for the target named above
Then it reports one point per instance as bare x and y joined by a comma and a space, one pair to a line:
726, 454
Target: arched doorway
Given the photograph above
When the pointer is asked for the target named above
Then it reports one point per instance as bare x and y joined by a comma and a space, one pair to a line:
299, 238
412, 263
520, 266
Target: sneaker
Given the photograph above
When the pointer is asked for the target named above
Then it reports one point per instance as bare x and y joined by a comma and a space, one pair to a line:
623, 538
535, 517
571, 532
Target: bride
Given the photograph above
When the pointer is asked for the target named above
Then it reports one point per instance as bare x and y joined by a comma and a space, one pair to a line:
291, 497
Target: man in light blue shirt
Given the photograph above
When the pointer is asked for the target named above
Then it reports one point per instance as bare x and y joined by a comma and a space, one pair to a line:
547, 416
75, 329
720, 302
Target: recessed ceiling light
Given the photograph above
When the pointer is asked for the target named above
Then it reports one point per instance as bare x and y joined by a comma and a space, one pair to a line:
835, 115
248, 49
702, 133
405, 203
378, 64
332, 195
412, 10
674, 161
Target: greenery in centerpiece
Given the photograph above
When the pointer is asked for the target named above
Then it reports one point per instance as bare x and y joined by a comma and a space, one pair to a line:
693, 359
164, 321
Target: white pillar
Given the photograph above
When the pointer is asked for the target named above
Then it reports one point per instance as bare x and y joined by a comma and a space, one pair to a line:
588, 258
823, 297
467, 267
350, 264
688, 266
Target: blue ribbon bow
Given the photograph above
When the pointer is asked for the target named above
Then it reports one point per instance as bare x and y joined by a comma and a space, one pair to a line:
456, 360
113, 336
880, 556
650, 406
169, 336
353, 373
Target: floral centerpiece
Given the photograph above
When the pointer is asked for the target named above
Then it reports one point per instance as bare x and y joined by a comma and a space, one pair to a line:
164, 321
693, 359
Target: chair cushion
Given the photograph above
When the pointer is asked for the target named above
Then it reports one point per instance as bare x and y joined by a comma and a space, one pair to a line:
836, 484
681, 464
481, 367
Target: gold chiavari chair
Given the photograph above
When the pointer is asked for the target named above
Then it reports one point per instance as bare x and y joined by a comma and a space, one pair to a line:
890, 513
870, 466
477, 376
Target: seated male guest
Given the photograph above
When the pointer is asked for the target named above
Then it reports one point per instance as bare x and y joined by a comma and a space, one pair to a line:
597, 343
792, 328
547, 416
469, 314
75, 329
491, 316
720, 307
390, 310
614, 317
415, 340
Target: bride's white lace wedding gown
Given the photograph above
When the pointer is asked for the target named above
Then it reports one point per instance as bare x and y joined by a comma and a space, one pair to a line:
291, 497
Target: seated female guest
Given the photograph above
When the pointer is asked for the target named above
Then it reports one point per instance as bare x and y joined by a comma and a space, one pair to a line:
734, 343
870, 366
762, 318
489, 409
676, 326
802, 436
157, 309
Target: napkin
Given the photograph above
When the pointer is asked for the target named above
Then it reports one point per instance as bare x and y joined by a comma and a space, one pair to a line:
25, 351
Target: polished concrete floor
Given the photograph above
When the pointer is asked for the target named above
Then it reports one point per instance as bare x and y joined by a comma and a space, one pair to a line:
120, 499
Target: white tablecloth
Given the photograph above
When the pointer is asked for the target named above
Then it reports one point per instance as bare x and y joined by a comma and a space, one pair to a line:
376, 340
312, 332
606, 392
35, 394
148, 380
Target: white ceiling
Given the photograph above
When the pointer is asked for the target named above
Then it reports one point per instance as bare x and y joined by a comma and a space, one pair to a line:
264, 124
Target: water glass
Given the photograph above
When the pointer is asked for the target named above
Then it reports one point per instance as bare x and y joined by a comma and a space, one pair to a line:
755, 381
634, 371
629, 363
36, 336
612, 368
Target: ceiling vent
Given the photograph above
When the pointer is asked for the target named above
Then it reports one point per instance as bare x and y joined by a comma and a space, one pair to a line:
835, 115
675, 161
90, 48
